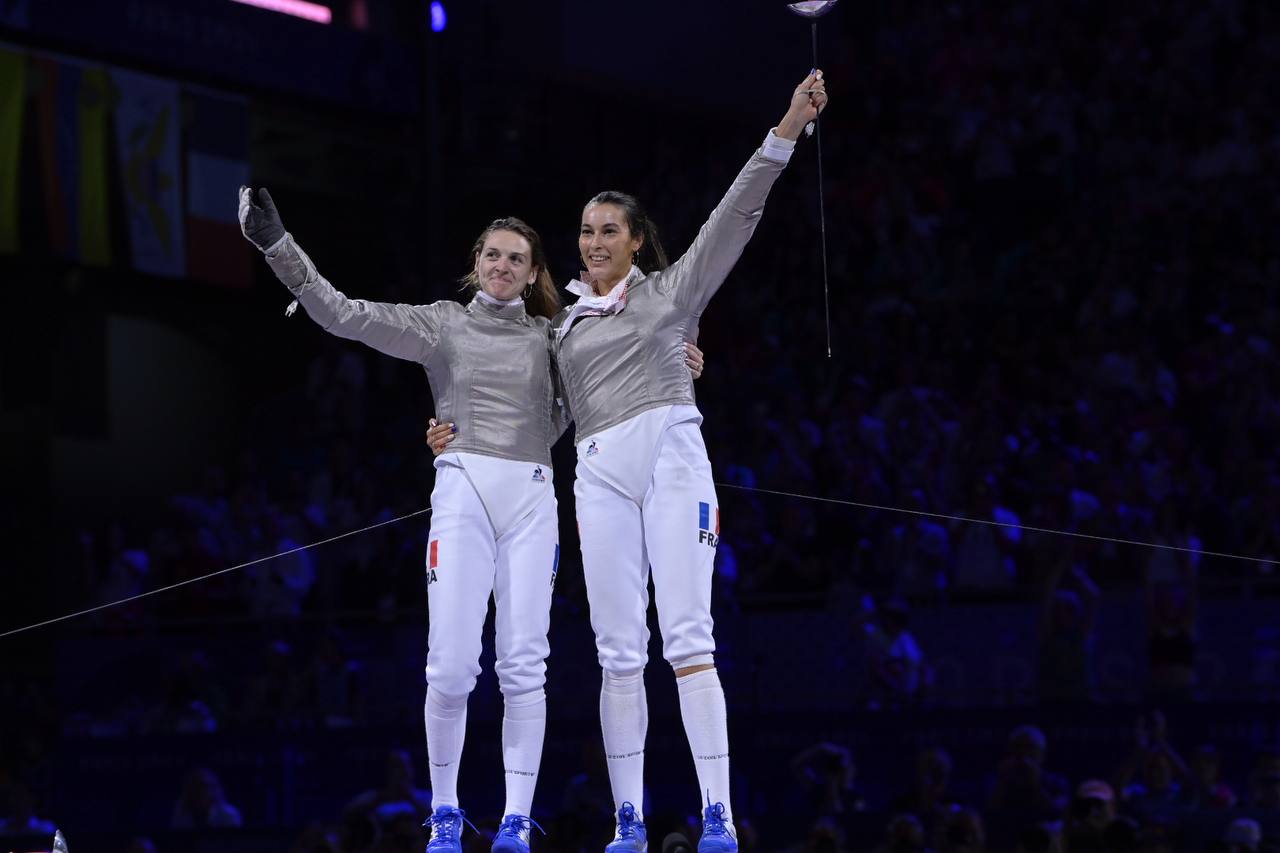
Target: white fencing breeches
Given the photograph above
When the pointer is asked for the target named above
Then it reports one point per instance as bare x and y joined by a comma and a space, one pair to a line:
645, 498
494, 531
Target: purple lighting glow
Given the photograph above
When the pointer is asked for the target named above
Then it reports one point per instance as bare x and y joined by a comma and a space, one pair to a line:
438, 17
296, 8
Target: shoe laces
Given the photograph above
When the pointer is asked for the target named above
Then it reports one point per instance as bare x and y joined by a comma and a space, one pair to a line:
446, 824
713, 821
628, 823
515, 824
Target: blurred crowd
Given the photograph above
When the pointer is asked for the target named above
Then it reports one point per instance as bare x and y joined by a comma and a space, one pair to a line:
1151, 799
1054, 265
1054, 304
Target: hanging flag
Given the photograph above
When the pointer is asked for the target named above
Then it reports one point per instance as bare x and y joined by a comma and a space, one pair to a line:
72, 103
147, 128
217, 166
13, 97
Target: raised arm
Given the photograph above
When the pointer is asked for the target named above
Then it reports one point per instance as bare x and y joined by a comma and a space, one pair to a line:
410, 332
698, 274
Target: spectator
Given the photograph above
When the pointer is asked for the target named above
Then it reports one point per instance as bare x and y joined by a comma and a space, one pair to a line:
1156, 799
316, 838
1242, 835
202, 803
962, 833
1173, 636
825, 835
194, 700
403, 833
931, 799
1023, 790
1264, 794
905, 834
826, 772
279, 587
271, 693
894, 661
331, 687
985, 553
1093, 810
21, 818
1067, 622
1206, 790
395, 797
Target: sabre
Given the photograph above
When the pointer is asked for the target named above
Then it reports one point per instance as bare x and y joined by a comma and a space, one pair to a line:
813, 10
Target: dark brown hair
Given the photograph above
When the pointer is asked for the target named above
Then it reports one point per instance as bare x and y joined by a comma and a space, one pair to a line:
540, 298
652, 257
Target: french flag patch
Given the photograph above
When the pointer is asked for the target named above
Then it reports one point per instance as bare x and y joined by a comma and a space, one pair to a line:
706, 532
704, 518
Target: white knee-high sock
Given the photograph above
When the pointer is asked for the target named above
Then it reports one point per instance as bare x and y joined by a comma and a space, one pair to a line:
624, 720
446, 718
524, 722
706, 725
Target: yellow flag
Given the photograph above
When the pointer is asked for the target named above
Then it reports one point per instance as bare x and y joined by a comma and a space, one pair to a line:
13, 98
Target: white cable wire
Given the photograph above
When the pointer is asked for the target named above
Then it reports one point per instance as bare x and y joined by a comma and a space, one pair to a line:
210, 575
775, 492
994, 523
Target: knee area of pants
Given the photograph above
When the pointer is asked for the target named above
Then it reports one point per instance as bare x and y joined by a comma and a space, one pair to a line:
621, 658
624, 679
439, 700
451, 683
521, 681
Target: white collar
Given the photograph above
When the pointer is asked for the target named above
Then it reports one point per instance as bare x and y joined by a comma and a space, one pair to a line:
588, 304
583, 290
493, 300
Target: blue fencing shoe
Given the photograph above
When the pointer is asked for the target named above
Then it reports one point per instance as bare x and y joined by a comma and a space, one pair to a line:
513, 835
446, 830
718, 835
631, 836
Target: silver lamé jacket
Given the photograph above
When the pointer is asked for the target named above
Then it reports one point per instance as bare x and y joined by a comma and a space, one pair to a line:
616, 366
489, 366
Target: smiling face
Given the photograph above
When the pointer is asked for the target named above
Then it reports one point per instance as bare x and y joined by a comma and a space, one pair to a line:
606, 244
504, 265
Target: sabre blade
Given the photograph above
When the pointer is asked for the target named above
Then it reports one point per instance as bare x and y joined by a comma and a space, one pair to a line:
812, 8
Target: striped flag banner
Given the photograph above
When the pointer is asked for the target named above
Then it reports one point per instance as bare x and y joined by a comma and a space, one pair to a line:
13, 97
217, 140
147, 124
73, 101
